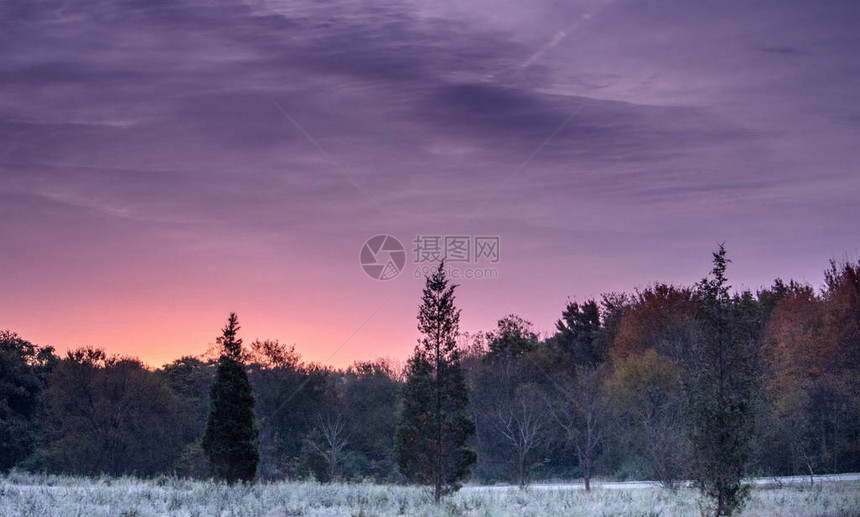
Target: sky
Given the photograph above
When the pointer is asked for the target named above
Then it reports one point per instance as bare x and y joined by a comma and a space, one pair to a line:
163, 163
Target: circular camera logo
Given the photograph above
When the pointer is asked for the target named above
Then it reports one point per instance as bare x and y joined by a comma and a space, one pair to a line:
382, 257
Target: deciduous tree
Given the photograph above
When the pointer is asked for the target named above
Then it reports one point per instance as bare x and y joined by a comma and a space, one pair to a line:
108, 415
22, 369
579, 406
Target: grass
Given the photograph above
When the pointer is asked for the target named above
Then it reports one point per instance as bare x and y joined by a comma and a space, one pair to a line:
61, 496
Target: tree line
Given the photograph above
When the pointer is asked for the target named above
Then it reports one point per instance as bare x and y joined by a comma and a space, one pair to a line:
668, 382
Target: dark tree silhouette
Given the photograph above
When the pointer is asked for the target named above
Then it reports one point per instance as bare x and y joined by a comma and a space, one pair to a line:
22, 366
435, 423
230, 439
577, 333
513, 337
370, 390
190, 379
107, 415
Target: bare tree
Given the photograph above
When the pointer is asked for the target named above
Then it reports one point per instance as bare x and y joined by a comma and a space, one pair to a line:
331, 442
523, 425
579, 407
666, 447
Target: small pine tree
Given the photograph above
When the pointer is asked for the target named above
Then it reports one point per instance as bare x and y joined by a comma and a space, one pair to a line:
435, 424
722, 391
230, 439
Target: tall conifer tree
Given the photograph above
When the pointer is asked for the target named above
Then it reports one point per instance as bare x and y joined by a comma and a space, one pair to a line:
230, 439
722, 390
435, 422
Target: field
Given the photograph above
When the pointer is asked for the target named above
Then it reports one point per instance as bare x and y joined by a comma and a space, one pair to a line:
28, 495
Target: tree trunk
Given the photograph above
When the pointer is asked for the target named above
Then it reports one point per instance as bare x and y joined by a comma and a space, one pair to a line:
586, 471
438, 492
522, 469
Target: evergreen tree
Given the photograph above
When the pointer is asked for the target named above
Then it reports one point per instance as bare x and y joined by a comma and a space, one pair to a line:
435, 422
722, 390
577, 332
230, 439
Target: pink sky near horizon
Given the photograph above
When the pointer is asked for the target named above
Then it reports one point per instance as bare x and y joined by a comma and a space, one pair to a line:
371, 320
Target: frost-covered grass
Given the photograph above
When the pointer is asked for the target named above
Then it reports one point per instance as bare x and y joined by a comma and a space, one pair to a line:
60, 496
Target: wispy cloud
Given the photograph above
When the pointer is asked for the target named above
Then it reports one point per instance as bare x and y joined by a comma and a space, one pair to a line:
151, 124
